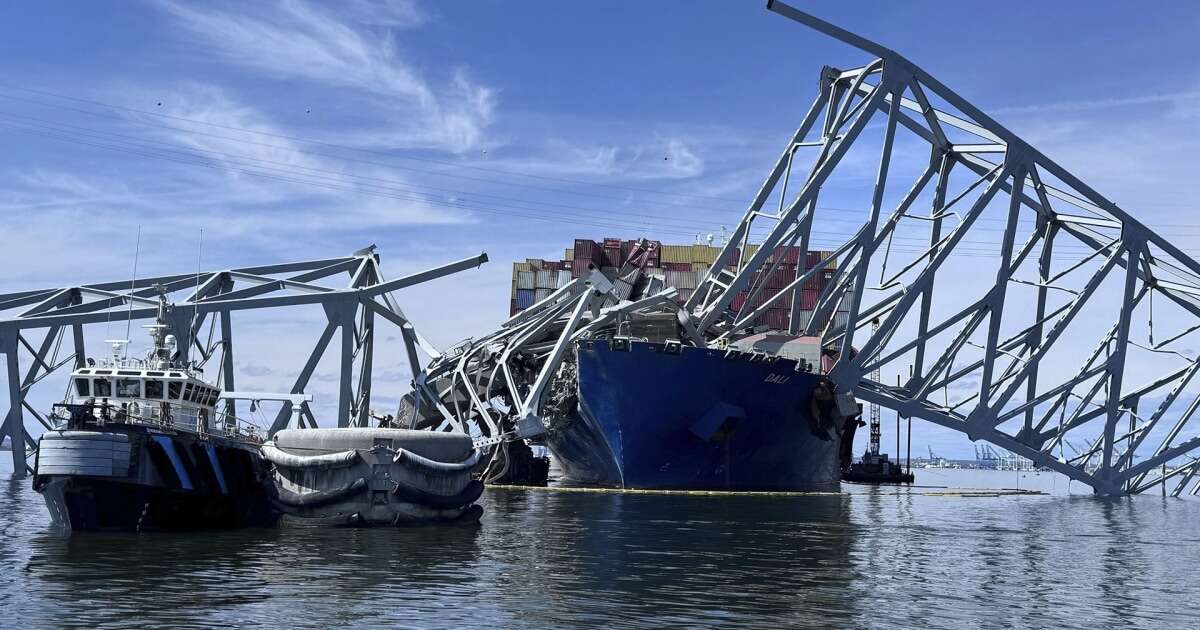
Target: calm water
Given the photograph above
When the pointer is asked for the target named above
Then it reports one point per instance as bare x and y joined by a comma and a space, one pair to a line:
868, 558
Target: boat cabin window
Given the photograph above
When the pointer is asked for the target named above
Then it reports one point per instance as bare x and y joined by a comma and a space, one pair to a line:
154, 389
173, 389
102, 388
212, 397
82, 387
129, 388
188, 392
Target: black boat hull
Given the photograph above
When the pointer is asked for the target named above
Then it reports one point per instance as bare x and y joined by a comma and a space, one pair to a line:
91, 504
138, 478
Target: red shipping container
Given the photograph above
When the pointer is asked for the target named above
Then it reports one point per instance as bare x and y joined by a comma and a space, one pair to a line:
782, 277
808, 299
588, 251
627, 249
811, 259
612, 242
738, 301
677, 266
613, 257
814, 282
775, 318
784, 301
655, 254
580, 267
789, 255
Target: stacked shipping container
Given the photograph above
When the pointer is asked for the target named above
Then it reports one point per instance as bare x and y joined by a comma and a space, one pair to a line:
680, 266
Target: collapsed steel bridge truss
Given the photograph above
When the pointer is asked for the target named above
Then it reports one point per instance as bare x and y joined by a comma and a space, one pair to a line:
1007, 298
1074, 322
497, 388
201, 319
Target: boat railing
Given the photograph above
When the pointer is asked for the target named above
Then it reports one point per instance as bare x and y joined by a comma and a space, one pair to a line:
76, 415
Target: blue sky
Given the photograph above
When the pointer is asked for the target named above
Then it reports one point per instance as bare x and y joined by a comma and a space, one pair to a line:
294, 130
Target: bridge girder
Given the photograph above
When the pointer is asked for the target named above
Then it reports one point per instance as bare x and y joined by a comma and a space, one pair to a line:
1023, 340
210, 297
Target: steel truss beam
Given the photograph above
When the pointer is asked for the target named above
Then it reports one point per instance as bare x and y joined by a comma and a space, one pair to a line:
496, 387
210, 299
992, 353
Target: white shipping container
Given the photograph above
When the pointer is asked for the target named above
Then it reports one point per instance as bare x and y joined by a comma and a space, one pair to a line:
688, 280
564, 278
546, 279
541, 294
681, 279
526, 279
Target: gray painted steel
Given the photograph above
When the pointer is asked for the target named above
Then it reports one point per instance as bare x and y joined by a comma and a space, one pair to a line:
349, 306
1033, 374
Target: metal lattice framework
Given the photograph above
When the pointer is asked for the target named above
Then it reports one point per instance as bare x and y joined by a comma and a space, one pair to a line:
201, 319
1045, 335
497, 388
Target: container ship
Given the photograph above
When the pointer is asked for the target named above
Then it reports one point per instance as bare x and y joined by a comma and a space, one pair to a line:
639, 409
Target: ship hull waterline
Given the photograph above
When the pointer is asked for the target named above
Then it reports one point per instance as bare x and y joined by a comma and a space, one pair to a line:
649, 417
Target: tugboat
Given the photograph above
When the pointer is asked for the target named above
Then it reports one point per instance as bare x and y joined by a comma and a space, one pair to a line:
139, 445
876, 468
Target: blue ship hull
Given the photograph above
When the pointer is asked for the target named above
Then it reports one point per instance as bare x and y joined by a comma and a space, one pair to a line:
691, 419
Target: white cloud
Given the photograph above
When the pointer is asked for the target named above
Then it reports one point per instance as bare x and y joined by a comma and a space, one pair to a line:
1094, 104
657, 159
294, 40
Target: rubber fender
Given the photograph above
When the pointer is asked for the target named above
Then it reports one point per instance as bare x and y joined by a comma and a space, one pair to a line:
435, 467
470, 516
413, 494
280, 457
322, 497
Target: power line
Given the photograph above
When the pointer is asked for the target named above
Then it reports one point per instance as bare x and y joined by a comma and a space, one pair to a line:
660, 223
352, 148
198, 161
390, 185
402, 157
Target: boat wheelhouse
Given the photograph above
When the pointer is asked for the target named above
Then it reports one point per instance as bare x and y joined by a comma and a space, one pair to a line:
130, 392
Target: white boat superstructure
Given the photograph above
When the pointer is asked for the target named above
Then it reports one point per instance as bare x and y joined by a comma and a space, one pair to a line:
152, 390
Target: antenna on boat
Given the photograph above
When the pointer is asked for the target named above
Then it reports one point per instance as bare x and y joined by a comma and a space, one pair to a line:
196, 296
137, 250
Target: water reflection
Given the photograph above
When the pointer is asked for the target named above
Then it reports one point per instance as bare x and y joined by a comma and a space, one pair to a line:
869, 558
671, 558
